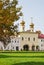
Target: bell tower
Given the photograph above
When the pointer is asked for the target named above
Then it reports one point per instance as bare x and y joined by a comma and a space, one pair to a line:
22, 29
31, 26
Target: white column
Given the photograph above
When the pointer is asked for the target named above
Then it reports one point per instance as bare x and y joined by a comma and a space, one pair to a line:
35, 48
30, 47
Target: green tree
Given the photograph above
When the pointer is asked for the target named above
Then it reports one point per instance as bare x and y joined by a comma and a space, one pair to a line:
9, 13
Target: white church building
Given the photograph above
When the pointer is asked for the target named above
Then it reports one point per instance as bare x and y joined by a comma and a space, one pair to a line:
14, 44
25, 40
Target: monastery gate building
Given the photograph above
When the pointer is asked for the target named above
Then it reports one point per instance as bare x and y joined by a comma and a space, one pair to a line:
25, 40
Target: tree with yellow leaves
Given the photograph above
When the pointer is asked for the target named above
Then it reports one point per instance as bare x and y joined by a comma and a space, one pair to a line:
9, 13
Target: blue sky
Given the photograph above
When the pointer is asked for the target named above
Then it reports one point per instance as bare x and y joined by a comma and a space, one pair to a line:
35, 9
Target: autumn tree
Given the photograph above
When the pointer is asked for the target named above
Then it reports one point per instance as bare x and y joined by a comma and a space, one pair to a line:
9, 13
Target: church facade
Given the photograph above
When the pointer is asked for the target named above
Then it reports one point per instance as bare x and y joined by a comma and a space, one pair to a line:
25, 40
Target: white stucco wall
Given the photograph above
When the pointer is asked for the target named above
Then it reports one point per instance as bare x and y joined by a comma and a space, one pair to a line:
27, 35
15, 42
1, 45
41, 43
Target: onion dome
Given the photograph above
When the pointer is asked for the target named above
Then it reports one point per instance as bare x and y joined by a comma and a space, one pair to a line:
22, 23
31, 25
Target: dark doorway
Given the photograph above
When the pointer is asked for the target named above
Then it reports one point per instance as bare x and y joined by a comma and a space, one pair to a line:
17, 48
26, 47
37, 48
33, 48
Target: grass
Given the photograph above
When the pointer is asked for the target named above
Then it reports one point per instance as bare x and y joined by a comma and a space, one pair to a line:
21, 58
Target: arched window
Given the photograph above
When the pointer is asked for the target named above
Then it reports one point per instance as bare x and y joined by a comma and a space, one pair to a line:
15, 41
29, 39
33, 39
22, 38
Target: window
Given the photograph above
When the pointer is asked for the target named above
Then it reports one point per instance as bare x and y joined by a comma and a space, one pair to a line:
15, 41
33, 39
13, 47
12, 41
29, 38
42, 40
22, 38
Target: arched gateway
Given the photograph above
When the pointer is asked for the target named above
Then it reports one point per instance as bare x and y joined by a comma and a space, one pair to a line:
26, 47
33, 48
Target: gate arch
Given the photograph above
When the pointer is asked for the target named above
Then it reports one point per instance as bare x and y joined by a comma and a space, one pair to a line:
26, 47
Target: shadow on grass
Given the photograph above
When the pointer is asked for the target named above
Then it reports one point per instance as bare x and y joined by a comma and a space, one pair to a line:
30, 63
7, 56
21, 51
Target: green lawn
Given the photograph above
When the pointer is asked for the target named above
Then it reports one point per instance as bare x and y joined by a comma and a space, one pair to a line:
21, 58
